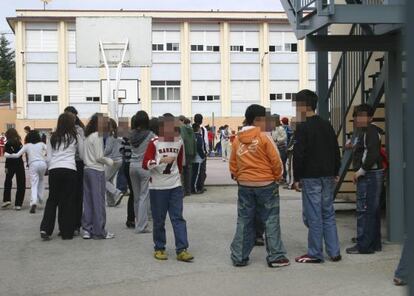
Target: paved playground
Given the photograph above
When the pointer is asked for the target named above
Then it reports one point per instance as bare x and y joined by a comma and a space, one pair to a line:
124, 265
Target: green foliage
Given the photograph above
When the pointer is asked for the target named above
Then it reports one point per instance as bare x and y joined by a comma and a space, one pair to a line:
7, 67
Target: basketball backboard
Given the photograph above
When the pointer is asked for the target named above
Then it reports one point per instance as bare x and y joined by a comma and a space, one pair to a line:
113, 33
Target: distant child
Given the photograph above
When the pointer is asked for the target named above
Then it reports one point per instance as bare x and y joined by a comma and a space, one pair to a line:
164, 159
62, 148
256, 165
35, 149
14, 167
198, 160
94, 213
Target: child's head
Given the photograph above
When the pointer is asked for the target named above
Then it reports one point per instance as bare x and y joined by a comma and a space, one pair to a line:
27, 129
363, 115
306, 102
12, 136
154, 125
196, 127
142, 120
198, 118
33, 137
169, 128
97, 123
256, 116
112, 128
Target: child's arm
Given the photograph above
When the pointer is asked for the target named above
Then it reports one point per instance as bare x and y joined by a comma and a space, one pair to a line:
16, 155
80, 147
180, 159
275, 161
150, 161
233, 159
98, 150
49, 152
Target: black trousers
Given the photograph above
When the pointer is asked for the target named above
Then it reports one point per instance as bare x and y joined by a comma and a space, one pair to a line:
196, 181
17, 170
130, 207
78, 202
187, 177
203, 173
62, 195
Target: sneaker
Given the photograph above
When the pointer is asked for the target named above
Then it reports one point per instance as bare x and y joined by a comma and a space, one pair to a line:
240, 264
336, 258
76, 232
33, 209
353, 250
118, 199
160, 255
86, 235
147, 229
184, 256
44, 236
281, 262
17, 208
307, 259
259, 242
130, 224
6, 204
109, 235
399, 282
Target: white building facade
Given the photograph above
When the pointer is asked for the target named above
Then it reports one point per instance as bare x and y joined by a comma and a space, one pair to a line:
203, 62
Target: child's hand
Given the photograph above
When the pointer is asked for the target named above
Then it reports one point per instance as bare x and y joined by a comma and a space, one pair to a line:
167, 159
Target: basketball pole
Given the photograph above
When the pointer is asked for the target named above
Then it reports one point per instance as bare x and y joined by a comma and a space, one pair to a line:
108, 82
118, 79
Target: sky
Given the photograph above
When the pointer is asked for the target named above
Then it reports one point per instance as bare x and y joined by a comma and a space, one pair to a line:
8, 7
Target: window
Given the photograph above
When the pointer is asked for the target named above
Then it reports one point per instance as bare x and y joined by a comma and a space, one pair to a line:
93, 99
49, 98
252, 49
213, 48
42, 40
290, 96
165, 90
276, 97
34, 97
197, 47
158, 47
275, 48
206, 98
236, 48
173, 46
293, 47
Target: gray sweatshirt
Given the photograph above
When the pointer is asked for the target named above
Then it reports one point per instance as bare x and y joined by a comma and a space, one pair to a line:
94, 153
139, 142
113, 148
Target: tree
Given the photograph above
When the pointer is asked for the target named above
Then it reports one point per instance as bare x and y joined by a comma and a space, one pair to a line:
7, 67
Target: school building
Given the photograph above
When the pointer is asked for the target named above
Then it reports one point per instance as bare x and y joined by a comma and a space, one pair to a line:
209, 62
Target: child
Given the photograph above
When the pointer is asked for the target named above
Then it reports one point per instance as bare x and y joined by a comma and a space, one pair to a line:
14, 167
163, 158
113, 146
94, 214
255, 164
198, 160
64, 143
36, 151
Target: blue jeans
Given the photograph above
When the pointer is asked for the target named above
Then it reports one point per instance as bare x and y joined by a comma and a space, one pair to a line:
263, 201
319, 216
168, 201
121, 179
369, 189
402, 269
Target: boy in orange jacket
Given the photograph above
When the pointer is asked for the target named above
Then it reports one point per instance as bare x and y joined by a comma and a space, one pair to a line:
256, 165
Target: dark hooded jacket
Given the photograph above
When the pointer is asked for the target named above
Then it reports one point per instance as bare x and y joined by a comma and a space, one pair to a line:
187, 134
367, 149
139, 140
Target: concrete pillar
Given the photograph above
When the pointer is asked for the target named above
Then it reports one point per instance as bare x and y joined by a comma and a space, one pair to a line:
145, 90
185, 70
264, 65
303, 65
21, 92
225, 69
63, 96
395, 137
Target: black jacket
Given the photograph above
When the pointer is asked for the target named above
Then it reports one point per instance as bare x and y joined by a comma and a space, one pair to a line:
13, 148
367, 149
316, 151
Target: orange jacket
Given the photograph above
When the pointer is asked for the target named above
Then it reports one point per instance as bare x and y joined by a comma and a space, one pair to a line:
254, 157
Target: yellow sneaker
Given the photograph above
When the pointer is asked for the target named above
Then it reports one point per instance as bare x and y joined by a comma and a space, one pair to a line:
160, 255
185, 256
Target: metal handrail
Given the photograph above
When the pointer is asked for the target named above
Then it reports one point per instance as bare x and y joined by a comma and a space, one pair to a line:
345, 83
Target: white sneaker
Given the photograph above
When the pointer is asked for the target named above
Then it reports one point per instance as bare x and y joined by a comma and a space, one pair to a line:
6, 204
109, 235
17, 208
86, 235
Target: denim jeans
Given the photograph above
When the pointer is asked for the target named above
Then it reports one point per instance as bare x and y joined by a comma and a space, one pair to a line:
369, 189
319, 216
121, 179
168, 201
263, 201
402, 269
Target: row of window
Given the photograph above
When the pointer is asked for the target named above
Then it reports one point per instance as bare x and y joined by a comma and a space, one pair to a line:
280, 96
288, 47
42, 98
206, 98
